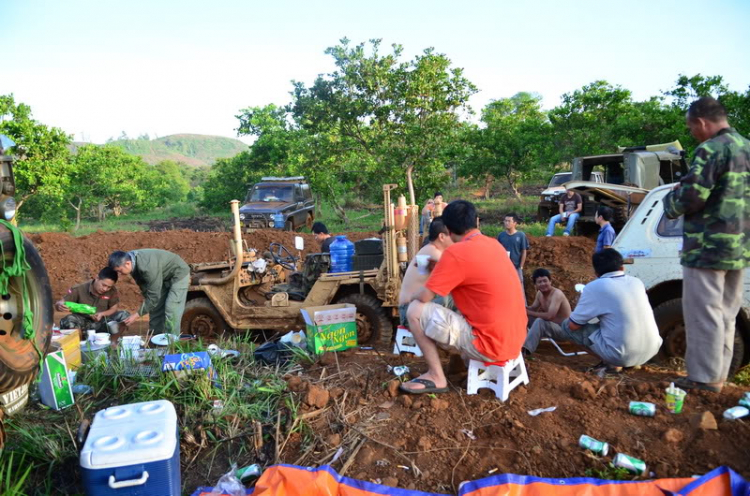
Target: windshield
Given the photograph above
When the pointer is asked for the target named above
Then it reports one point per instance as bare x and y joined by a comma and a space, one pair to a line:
559, 179
271, 193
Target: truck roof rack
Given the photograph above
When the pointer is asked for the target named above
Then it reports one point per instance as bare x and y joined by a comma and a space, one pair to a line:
271, 178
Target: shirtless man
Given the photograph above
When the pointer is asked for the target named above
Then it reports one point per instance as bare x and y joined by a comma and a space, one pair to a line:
413, 281
549, 309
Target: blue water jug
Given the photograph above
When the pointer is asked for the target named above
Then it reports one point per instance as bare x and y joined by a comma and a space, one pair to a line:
278, 221
342, 253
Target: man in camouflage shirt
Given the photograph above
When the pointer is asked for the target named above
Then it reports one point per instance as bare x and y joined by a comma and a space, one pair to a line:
714, 198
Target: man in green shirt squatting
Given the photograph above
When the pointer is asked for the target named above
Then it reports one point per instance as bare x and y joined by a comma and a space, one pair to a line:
163, 278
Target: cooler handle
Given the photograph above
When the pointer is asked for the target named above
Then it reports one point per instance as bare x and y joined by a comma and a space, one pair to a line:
128, 483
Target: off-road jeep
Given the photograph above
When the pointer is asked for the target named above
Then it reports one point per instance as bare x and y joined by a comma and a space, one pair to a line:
288, 196
651, 244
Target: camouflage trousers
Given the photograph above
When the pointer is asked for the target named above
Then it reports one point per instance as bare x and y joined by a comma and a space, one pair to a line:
84, 323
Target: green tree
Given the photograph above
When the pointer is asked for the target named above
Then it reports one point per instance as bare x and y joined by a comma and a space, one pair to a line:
514, 142
375, 118
42, 157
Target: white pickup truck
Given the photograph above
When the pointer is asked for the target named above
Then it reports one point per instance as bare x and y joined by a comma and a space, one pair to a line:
650, 244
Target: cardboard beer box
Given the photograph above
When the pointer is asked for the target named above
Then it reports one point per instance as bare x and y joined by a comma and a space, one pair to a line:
182, 364
54, 387
330, 327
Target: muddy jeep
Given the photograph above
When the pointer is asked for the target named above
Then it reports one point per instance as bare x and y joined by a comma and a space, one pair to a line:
289, 197
651, 244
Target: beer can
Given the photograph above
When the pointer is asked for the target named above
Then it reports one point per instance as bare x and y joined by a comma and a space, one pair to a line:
736, 412
630, 463
589, 443
642, 408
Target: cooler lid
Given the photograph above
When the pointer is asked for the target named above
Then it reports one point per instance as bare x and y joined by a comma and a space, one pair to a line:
131, 434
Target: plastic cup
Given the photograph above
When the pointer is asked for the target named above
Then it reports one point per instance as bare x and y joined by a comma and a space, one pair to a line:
423, 261
114, 327
674, 398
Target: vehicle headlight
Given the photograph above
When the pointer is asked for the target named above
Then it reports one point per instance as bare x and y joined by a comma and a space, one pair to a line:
270, 224
242, 216
8, 208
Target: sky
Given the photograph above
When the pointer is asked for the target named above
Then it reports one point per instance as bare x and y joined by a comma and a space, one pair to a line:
97, 68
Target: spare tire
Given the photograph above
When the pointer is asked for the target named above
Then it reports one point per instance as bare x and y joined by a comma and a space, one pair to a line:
19, 357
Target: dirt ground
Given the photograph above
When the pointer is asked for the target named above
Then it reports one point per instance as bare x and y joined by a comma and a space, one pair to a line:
452, 437
350, 401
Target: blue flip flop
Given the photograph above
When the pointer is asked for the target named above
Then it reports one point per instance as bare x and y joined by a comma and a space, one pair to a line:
429, 387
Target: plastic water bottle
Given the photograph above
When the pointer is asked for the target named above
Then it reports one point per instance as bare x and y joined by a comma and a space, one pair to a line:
342, 252
278, 221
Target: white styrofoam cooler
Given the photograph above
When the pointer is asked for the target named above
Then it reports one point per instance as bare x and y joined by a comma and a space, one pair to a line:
133, 450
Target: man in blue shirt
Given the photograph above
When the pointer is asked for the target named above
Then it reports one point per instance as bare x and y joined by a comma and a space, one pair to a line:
606, 231
515, 243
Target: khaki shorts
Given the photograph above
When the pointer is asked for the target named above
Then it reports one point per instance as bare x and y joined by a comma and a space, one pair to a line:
450, 331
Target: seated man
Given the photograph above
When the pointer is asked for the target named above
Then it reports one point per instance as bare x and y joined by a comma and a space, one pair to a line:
548, 311
571, 205
626, 334
99, 292
321, 235
414, 279
477, 272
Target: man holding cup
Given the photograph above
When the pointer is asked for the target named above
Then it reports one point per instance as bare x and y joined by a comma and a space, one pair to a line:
419, 269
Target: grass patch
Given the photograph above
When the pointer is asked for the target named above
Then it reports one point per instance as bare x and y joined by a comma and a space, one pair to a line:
610, 472
218, 419
742, 377
128, 222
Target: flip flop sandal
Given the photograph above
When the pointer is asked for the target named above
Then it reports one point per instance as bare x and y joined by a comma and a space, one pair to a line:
429, 387
685, 383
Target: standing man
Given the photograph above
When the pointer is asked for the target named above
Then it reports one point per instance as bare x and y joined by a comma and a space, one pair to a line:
516, 244
714, 198
100, 293
606, 237
163, 278
571, 205
321, 235
477, 273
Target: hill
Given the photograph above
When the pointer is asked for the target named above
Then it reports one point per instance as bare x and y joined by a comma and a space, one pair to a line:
191, 149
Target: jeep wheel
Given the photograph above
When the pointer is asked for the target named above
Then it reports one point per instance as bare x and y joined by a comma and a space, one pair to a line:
309, 221
671, 326
202, 319
19, 358
372, 322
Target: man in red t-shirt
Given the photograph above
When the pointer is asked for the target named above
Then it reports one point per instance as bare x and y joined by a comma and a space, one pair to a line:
485, 287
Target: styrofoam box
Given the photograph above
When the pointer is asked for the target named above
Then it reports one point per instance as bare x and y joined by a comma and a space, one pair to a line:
133, 450
330, 314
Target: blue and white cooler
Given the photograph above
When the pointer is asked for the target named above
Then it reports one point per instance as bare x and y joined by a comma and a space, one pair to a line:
133, 450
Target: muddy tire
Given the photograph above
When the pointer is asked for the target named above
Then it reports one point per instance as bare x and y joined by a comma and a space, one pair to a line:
671, 326
373, 324
19, 358
309, 221
619, 217
202, 319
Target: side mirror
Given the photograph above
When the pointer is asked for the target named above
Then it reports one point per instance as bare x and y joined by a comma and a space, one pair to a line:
299, 243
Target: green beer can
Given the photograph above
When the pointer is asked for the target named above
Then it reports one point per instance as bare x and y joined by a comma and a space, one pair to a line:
630, 464
642, 408
599, 447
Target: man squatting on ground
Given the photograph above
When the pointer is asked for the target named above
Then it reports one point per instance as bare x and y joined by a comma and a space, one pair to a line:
163, 278
714, 197
548, 311
485, 288
439, 240
99, 292
626, 334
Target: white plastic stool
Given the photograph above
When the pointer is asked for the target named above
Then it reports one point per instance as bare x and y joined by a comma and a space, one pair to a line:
497, 377
405, 342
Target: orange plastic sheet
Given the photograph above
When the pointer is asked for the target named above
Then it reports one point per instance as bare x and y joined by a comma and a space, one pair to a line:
289, 480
